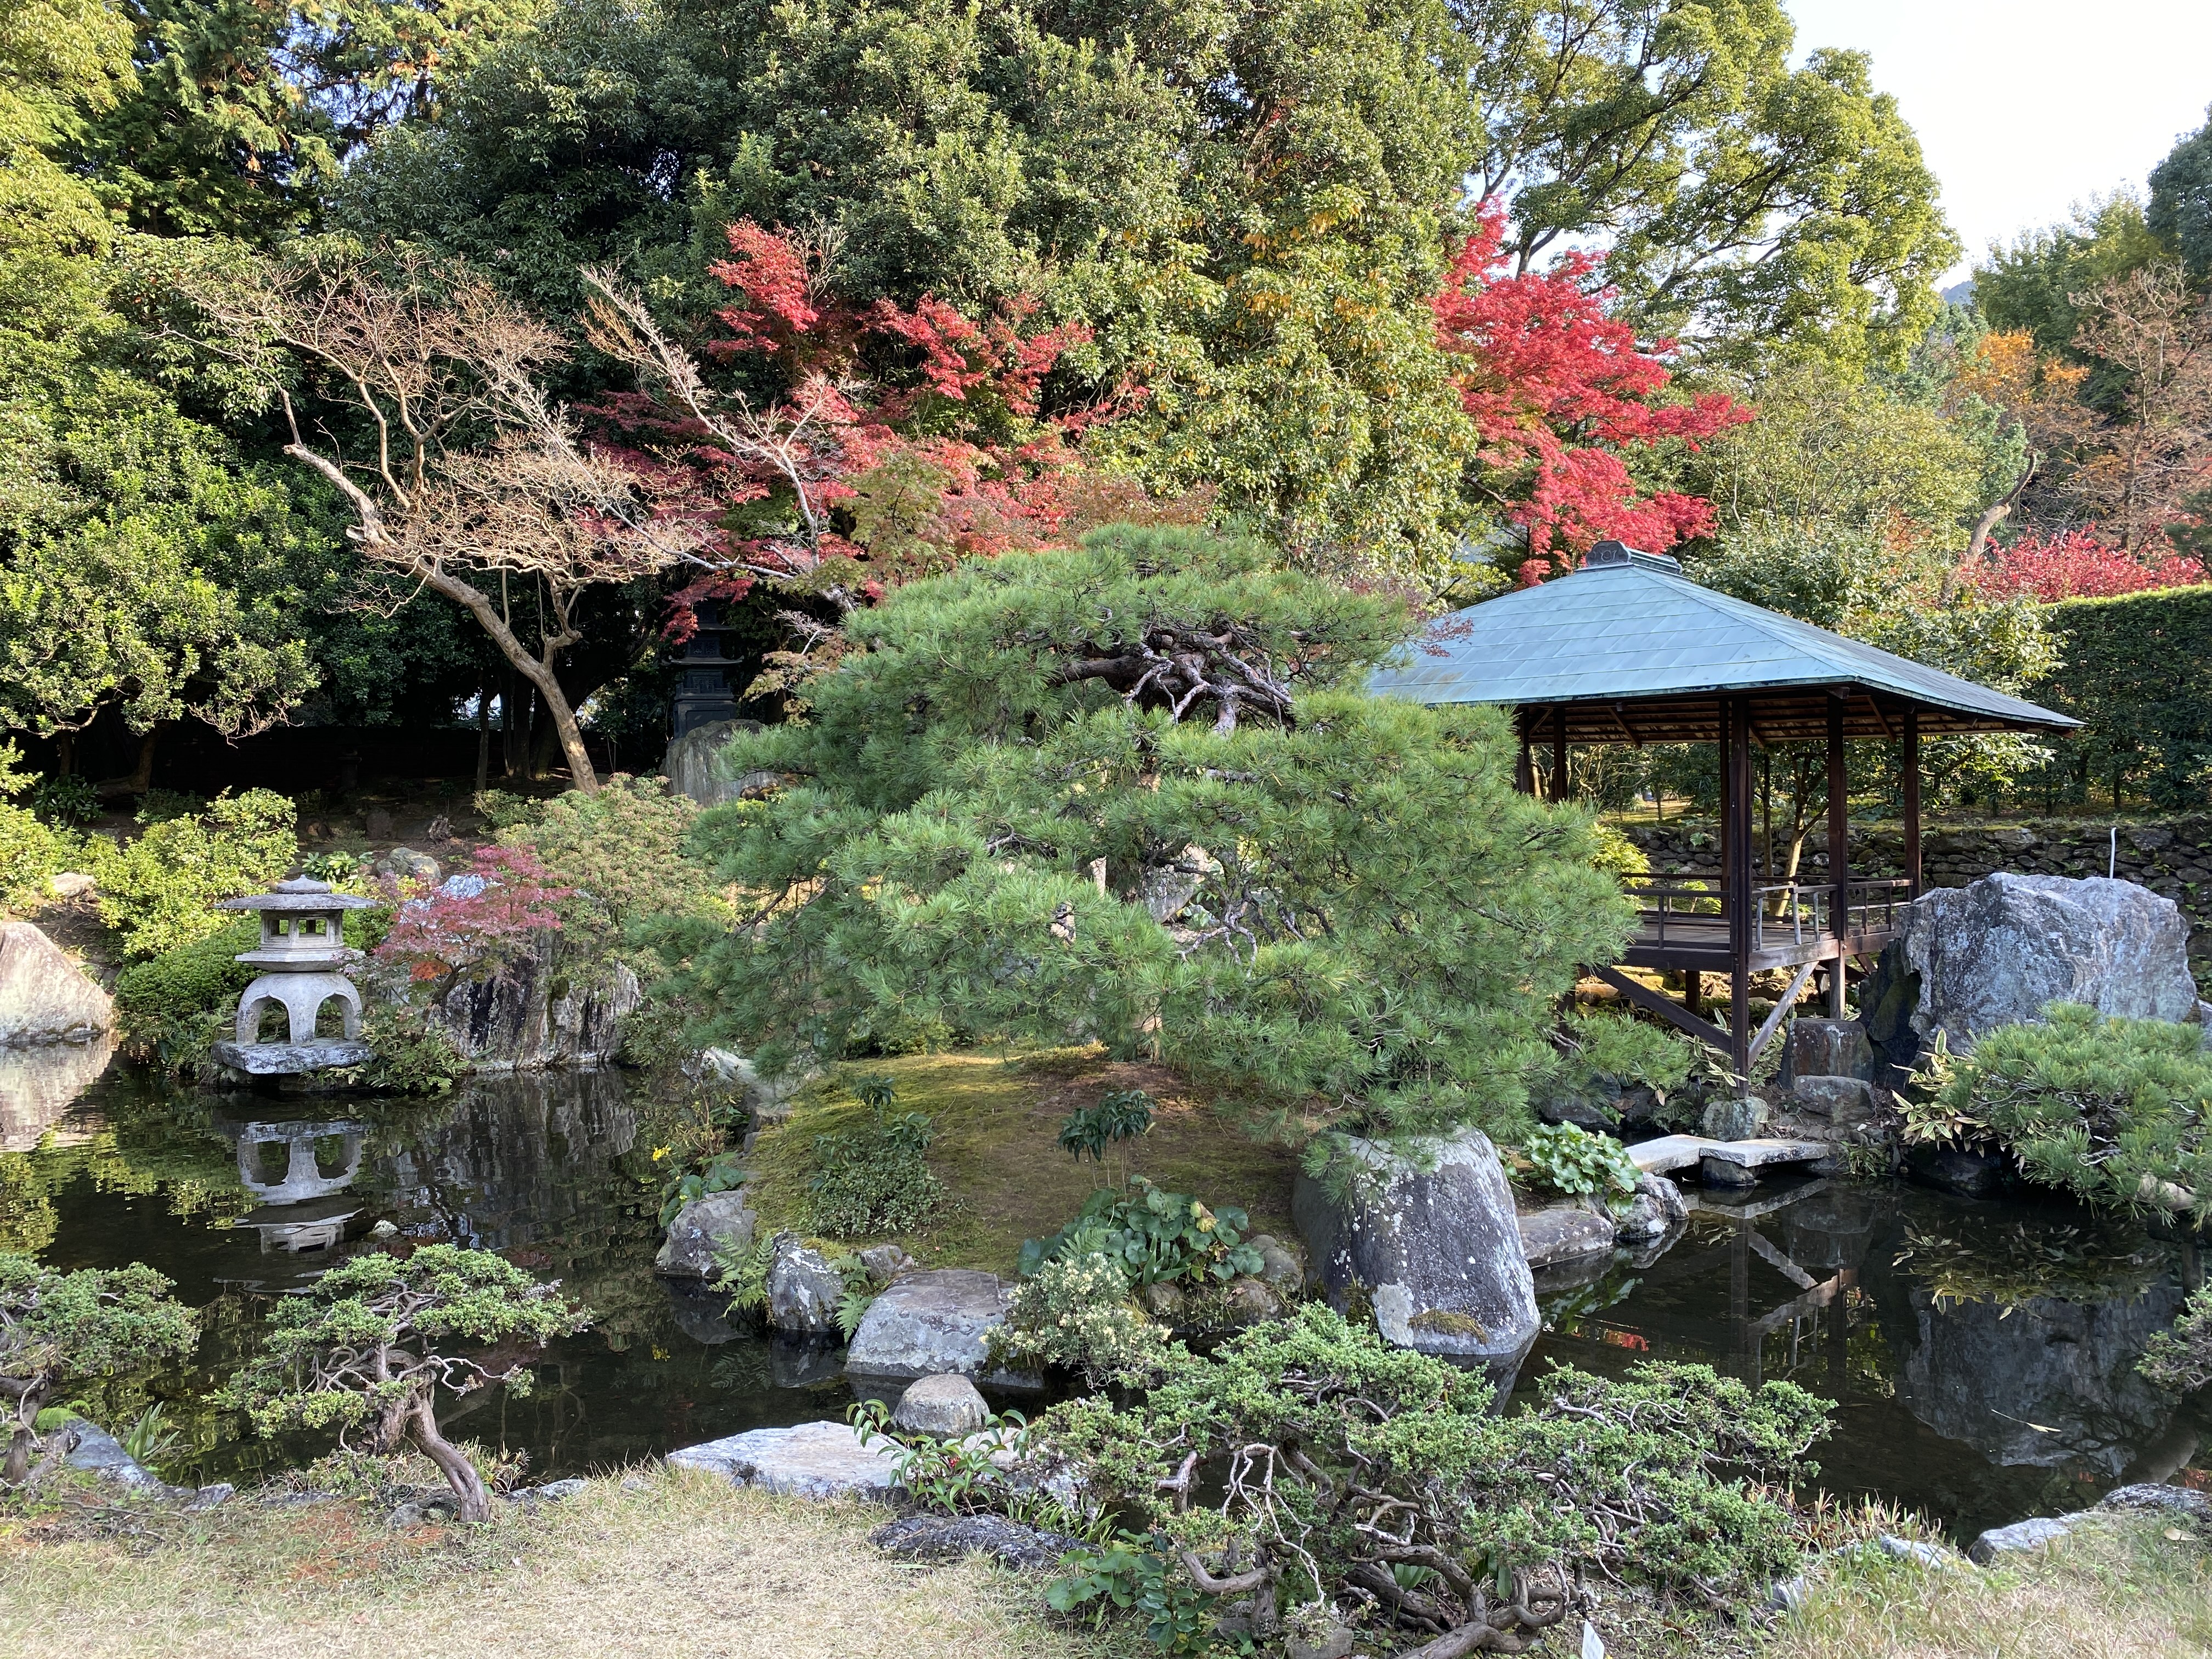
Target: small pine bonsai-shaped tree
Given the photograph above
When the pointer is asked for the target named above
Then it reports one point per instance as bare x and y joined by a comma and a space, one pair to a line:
56, 1327
376, 1339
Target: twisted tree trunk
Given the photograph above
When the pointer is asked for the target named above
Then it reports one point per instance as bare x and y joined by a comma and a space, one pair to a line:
460, 1474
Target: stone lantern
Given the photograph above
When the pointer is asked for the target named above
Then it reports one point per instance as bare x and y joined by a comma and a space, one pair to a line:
302, 956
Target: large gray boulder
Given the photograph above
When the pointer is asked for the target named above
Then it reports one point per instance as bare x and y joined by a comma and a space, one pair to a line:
43, 996
926, 1323
540, 1007
1657, 1209
803, 1289
811, 1460
1993, 953
1435, 1252
703, 1228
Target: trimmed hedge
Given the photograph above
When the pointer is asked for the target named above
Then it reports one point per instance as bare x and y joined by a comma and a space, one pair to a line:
2137, 671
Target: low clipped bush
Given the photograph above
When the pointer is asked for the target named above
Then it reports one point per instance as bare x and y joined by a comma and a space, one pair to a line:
873, 1178
157, 890
621, 849
174, 1003
30, 851
2111, 1110
1074, 1313
2181, 1359
1311, 1467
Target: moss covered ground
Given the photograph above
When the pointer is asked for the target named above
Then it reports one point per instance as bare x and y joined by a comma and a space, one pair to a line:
997, 1120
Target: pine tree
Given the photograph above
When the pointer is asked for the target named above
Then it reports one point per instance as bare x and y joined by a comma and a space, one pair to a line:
1134, 792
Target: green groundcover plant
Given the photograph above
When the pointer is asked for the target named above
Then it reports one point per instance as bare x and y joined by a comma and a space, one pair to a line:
2111, 1110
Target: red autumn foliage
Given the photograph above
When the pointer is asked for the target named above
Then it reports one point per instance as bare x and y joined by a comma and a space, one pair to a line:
2078, 564
505, 895
1557, 390
889, 443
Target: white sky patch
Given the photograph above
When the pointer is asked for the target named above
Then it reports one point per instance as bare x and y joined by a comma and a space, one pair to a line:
2025, 107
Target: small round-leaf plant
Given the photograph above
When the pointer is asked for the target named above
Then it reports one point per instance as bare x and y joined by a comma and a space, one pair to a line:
56, 1328
368, 1346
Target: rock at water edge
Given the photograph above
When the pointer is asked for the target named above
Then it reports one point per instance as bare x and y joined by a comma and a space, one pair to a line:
2030, 1534
1994, 952
1435, 1252
1657, 1209
43, 996
1562, 1233
100, 1453
946, 1403
929, 1322
813, 1460
705, 1226
942, 1537
803, 1289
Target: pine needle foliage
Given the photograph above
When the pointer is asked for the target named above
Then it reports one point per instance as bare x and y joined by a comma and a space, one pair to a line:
2111, 1110
996, 801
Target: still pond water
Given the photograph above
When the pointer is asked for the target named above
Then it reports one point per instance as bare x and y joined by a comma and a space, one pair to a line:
1982, 1352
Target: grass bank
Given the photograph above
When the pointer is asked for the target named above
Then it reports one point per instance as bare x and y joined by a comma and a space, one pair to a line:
2118, 1584
996, 1150
677, 1563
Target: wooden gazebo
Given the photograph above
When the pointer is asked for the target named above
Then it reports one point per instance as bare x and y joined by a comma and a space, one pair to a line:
1629, 650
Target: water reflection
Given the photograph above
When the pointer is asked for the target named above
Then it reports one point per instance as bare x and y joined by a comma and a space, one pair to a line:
239, 1203
1983, 1355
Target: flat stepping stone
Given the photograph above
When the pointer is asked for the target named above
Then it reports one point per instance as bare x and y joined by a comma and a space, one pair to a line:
811, 1460
1671, 1152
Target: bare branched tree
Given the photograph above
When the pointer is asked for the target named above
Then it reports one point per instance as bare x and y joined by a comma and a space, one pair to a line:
2151, 325
466, 470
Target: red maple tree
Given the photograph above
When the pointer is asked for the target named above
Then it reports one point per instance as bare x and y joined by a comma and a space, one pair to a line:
871, 444
468, 917
2079, 564
1558, 389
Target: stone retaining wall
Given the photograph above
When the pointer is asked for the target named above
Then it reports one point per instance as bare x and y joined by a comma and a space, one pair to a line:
2172, 856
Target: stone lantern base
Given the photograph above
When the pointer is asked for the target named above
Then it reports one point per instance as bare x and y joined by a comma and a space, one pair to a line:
285, 1059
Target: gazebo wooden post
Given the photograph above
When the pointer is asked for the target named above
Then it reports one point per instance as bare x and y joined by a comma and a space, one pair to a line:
1524, 773
1840, 856
1736, 770
1559, 789
1912, 801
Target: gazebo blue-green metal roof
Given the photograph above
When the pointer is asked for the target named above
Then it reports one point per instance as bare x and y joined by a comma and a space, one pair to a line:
1629, 627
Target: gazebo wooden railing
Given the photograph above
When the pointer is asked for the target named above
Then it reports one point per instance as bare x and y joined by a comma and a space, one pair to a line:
1628, 650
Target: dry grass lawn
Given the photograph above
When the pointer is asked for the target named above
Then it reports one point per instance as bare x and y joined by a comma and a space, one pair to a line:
998, 1123
2117, 1587
682, 1564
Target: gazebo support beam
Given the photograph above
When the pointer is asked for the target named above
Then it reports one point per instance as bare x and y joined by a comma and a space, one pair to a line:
1558, 790
1912, 801
1665, 1007
1737, 867
1839, 852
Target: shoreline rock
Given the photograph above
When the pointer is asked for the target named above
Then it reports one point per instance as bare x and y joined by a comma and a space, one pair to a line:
808, 1459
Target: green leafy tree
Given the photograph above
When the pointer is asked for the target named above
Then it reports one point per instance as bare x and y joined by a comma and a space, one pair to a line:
2032, 285
2180, 209
369, 1344
56, 1328
996, 799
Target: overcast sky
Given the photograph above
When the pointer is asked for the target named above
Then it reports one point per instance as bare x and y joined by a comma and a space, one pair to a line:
2026, 106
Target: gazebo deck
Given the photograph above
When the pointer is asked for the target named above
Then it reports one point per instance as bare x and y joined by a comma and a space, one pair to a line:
1684, 924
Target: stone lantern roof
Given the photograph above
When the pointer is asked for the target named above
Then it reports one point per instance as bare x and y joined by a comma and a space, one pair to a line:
302, 893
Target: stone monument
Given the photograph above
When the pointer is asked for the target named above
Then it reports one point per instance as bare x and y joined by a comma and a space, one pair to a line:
301, 956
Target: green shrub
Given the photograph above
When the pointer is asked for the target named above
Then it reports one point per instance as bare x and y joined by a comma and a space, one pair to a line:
721, 1174
1118, 1117
1338, 1468
1574, 1161
1152, 1234
621, 849
2181, 1359
502, 811
413, 1055
157, 890
30, 851
176, 1003
65, 798
1074, 1313
873, 1179
2111, 1110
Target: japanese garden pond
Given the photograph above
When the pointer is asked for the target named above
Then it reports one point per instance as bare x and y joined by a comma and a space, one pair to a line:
1982, 1352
